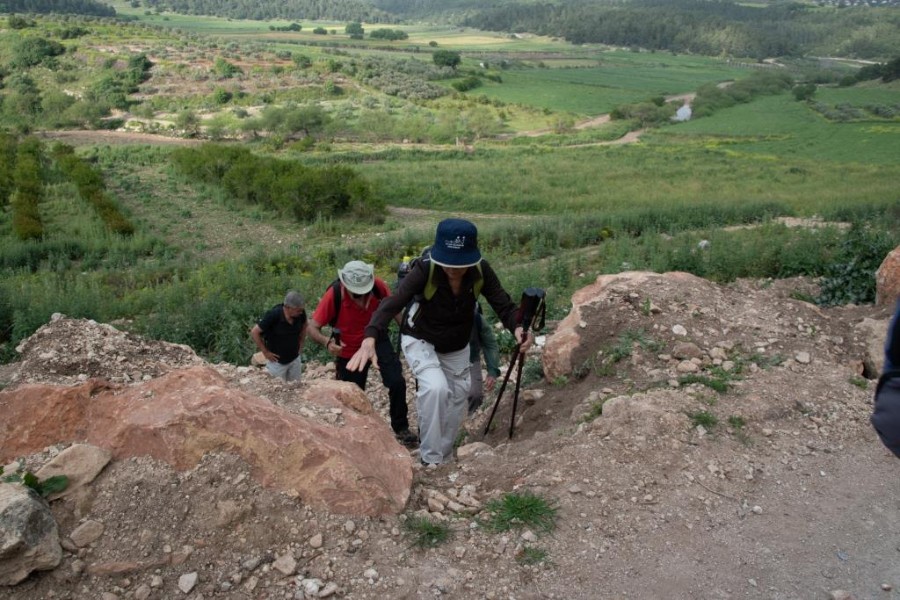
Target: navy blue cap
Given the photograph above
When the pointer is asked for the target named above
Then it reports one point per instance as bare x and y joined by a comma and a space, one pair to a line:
456, 244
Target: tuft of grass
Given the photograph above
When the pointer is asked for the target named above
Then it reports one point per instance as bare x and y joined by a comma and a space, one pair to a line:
461, 438
645, 307
517, 511
704, 418
531, 555
595, 411
426, 533
713, 383
860, 382
802, 296
628, 340
736, 422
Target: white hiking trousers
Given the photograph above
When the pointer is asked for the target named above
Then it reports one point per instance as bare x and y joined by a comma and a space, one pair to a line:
441, 398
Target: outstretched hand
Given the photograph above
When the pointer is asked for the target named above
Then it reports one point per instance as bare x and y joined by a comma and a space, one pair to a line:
363, 356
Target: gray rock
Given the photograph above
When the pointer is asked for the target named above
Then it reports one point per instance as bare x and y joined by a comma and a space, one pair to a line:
687, 350
187, 582
87, 533
29, 538
285, 564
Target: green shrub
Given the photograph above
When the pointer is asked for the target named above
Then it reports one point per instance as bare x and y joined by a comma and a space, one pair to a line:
850, 278
287, 187
469, 83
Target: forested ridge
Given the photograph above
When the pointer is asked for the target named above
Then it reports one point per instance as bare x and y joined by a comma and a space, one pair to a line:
343, 10
75, 7
709, 27
706, 27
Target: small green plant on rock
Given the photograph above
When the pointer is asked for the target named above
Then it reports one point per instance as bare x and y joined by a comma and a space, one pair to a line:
44, 487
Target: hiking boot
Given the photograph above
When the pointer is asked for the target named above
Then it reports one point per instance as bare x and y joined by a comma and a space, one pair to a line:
474, 405
407, 438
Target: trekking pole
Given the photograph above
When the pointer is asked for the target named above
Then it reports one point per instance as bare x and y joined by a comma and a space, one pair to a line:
531, 307
502, 387
512, 416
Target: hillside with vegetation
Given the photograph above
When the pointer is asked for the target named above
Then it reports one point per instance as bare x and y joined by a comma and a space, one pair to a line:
165, 178
234, 159
761, 30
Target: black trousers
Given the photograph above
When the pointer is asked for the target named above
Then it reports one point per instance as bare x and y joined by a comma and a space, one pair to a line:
391, 377
886, 416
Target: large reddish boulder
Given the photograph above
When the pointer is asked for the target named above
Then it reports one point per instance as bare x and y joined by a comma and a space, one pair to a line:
558, 353
887, 279
338, 455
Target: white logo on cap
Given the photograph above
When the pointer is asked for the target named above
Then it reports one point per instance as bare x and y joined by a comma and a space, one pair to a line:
458, 244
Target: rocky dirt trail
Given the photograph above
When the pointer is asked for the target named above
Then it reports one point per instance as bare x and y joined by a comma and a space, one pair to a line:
784, 493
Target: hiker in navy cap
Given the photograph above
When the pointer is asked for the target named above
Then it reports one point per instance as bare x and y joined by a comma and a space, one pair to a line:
441, 292
886, 416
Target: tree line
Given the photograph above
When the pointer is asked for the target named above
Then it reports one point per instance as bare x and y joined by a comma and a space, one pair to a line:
74, 7
341, 10
705, 27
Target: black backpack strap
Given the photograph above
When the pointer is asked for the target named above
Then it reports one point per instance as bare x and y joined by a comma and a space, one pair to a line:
336, 293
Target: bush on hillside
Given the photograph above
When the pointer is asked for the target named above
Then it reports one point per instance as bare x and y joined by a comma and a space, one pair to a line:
850, 278
287, 187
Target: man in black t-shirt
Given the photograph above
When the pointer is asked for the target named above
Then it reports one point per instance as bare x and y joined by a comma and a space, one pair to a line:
279, 335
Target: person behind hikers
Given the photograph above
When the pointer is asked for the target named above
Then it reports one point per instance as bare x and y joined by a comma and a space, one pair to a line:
347, 306
279, 335
886, 416
436, 328
483, 341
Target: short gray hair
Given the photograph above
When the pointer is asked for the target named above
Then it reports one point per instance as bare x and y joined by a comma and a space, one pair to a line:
293, 299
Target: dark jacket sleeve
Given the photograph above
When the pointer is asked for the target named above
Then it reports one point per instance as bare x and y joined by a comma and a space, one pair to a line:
497, 297
388, 308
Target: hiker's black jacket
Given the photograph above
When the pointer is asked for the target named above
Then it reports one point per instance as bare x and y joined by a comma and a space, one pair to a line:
886, 416
445, 320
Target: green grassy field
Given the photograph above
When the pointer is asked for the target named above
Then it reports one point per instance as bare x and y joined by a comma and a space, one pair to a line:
782, 128
598, 90
627, 178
